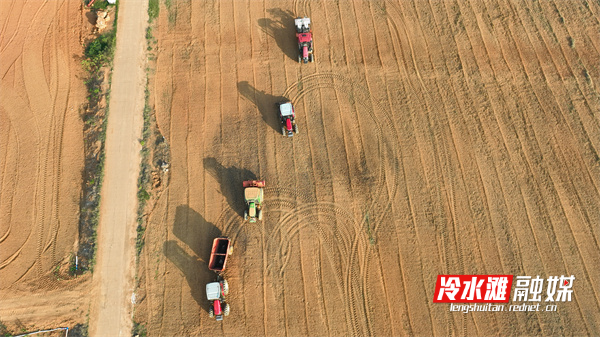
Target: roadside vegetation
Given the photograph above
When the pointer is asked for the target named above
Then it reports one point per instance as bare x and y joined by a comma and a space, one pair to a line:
4, 331
139, 330
143, 193
79, 330
154, 166
97, 62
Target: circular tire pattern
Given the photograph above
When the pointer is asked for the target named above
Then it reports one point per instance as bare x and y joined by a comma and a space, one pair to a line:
347, 248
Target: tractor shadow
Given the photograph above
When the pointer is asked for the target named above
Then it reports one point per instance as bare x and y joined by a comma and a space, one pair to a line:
193, 230
230, 180
264, 102
281, 28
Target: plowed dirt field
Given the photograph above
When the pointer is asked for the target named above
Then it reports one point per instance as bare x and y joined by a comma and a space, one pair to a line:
436, 137
41, 160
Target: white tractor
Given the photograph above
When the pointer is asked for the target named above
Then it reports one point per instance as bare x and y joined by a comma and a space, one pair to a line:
216, 292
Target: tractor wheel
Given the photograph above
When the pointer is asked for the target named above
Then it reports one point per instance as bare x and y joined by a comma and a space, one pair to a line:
299, 59
296, 128
311, 58
283, 130
226, 310
225, 286
245, 215
211, 312
260, 213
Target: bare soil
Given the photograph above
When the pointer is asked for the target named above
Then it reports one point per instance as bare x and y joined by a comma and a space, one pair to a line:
42, 93
436, 137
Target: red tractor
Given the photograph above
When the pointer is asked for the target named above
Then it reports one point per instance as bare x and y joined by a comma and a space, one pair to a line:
287, 116
216, 291
305, 41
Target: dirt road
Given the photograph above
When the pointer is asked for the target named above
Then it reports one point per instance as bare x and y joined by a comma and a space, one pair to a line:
113, 286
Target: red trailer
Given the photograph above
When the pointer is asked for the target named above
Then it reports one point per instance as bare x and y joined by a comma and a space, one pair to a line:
221, 248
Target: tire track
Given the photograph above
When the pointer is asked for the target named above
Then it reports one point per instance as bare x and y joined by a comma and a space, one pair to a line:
301, 8
8, 43
288, 230
43, 47
317, 261
50, 147
21, 126
307, 216
373, 208
380, 185
554, 155
15, 178
64, 74
450, 177
386, 29
562, 116
490, 95
544, 173
296, 218
500, 125
436, 141
254, 51
386, 140
564, 81
8, 14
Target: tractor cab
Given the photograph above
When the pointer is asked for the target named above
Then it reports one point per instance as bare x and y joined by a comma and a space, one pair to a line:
216, 292
252, 195
302, 25
288, 119
252, 210
213, 291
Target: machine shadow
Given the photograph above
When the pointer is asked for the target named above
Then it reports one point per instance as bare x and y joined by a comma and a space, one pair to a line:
264, 102
196, 272
230, 180
281, 28
192, 229
197, 233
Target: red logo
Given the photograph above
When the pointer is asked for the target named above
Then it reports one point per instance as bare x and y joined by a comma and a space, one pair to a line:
472, 288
